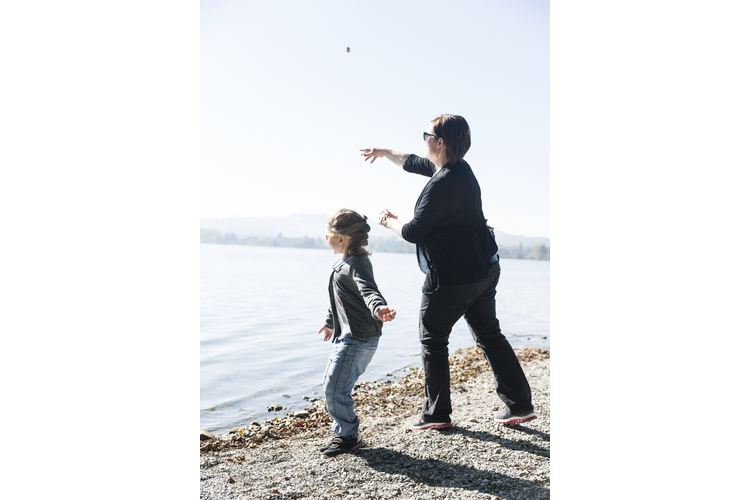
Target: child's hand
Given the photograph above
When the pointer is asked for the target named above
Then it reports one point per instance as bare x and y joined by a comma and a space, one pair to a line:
386, 314
328, 333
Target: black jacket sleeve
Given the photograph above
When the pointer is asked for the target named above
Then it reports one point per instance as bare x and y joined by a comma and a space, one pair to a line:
418, 165
431, 208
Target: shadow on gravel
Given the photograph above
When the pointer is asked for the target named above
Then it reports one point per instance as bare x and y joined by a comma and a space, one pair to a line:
435, 473
511, 444
529, 430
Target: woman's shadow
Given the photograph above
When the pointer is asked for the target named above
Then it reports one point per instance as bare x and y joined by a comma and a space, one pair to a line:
432, 472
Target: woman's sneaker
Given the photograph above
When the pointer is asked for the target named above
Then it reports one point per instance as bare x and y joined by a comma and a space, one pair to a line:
420, 425
506, 417
341, 445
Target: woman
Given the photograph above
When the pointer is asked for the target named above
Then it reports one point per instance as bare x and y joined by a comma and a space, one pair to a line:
458, 253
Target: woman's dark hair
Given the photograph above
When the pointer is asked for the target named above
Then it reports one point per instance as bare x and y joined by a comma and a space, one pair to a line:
455, 132
350, 223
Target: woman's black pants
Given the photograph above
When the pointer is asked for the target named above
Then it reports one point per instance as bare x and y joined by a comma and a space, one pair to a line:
439, 312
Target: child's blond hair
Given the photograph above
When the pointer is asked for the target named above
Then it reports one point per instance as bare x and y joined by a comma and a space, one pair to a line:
354, 225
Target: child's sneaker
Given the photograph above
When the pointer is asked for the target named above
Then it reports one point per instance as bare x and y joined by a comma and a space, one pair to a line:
420, 425
506, 417
341, 445
328, 445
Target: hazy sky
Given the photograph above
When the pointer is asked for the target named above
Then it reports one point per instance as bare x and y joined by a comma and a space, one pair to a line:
285, 108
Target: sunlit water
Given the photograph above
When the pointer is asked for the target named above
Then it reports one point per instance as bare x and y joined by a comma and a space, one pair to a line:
261, 309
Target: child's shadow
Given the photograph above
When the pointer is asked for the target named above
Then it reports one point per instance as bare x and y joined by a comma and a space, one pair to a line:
432, 472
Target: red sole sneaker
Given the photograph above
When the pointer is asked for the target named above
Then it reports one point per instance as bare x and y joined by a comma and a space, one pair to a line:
430, 425
516, 420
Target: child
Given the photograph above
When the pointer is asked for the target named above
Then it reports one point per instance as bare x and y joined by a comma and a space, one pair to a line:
355, 320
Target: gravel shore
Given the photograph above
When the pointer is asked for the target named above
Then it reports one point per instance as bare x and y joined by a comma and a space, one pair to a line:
280, 459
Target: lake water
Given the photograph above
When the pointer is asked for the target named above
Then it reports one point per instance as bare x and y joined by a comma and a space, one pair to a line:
261, 309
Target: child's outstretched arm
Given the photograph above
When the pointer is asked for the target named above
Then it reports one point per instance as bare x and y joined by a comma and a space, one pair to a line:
369, 290
328, 333
327, 329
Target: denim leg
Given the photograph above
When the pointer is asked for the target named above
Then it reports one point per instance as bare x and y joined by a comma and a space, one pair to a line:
510, 381
348, 360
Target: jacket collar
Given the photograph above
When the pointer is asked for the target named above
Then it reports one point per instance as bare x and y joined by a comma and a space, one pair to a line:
340, 263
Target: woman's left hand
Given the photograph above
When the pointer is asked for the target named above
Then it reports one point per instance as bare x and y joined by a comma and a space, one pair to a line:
384, 215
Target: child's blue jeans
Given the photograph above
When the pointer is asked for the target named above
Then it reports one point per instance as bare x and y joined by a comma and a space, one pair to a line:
348, 360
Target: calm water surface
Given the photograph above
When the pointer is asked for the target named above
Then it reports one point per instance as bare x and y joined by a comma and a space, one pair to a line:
261, 309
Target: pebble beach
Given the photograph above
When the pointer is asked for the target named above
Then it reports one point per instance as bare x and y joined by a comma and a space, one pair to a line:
279, 458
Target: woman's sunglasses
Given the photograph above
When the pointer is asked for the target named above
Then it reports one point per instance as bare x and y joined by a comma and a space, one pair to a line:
425, 135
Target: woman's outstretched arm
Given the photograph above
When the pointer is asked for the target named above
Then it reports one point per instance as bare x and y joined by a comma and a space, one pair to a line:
396, 157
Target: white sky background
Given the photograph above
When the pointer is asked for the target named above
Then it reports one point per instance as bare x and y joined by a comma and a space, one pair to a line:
285, 109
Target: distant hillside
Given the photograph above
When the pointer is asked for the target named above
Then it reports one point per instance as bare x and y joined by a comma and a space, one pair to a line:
509, 240
313, 226
295, 226
375, 244
305, 231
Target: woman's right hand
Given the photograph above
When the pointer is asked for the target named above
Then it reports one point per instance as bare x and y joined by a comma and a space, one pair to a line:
372, 153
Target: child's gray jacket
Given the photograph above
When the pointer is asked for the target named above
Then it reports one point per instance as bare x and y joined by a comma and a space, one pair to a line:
359, 294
